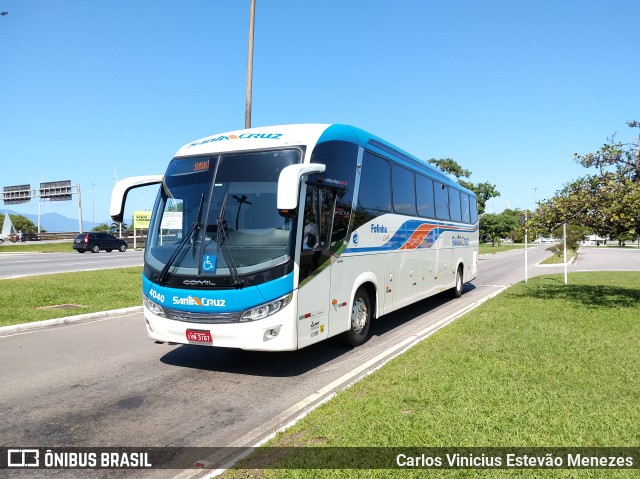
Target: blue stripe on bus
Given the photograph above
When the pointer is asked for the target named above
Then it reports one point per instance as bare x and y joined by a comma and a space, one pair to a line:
218, 300
276, 288
406, 236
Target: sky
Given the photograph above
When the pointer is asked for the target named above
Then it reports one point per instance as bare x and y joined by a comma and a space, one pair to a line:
94, 90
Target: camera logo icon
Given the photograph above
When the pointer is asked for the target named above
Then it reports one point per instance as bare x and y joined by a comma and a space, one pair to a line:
23, 458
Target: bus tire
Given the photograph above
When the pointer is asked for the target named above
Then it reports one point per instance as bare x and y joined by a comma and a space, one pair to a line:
360, 318
456, 291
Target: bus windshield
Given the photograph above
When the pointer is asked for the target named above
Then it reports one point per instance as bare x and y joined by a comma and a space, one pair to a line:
216, 216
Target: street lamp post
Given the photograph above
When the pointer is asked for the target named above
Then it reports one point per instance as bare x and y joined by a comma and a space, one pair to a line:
93, 206
115, 177
523, 221
564, 247
247, 112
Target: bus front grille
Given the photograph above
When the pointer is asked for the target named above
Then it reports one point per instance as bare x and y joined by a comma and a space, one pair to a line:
210, 318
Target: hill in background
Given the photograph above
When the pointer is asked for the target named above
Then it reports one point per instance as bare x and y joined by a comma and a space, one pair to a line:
54, 222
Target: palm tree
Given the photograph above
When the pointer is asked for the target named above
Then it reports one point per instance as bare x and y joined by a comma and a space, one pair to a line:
101, 227
116, 225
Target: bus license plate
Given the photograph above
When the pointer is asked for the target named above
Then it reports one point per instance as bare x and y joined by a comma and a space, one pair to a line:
199, 336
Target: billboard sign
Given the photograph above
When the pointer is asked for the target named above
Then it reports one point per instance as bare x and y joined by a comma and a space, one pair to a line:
56, 190
141, 219
13, 195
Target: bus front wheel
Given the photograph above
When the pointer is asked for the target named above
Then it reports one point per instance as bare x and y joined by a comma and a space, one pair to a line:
360, 318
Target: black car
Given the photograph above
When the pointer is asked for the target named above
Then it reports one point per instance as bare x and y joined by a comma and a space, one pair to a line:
95, 241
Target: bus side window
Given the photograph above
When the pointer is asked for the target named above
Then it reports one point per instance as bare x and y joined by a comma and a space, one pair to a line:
318, 217
318, 224
442, 201
375, 184
473, 206
454, 205
311, 219
466, 217
404, 193
424, 190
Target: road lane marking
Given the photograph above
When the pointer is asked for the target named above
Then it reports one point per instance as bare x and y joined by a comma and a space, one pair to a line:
48, 324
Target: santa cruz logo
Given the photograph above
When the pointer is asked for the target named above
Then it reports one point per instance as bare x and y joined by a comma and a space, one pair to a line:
243, 136
378, 228
195, 301
459, 241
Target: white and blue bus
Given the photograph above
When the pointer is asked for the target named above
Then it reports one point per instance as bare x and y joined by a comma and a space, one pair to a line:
276, 238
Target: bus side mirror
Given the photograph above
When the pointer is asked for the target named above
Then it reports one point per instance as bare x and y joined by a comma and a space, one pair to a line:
122, 187
289, 186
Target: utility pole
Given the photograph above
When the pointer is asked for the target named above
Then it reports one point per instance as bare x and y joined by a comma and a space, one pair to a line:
526, 248
79, 209
564, 245
93, 206
247, 113
637, 155
115, 177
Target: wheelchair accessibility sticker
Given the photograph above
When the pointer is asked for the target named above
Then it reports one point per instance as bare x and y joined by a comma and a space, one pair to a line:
209, 263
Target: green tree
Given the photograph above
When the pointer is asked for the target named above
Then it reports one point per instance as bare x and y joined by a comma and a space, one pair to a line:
20, 223
623, 157
494, 227
116, 225
450, 166
607, 201
101, 227
484, 191
575, 235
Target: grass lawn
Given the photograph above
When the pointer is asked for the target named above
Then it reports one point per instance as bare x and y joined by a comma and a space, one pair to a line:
36, 247
541, 365
555, 259
499, 248
94, 291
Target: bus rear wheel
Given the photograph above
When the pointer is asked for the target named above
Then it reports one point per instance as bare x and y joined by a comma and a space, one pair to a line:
456, 291
360, 318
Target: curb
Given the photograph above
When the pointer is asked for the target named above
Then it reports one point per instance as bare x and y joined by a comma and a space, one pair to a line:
568, 263
50, 323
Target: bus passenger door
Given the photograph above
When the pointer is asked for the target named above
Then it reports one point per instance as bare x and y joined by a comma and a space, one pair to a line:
315, 259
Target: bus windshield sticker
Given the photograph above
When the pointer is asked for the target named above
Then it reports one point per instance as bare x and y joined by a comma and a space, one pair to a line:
209, 263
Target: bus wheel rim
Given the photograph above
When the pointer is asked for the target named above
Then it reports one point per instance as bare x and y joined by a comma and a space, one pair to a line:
359, 315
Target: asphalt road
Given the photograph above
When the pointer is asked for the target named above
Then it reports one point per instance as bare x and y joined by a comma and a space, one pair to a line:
16, 265
106, 384
608, 259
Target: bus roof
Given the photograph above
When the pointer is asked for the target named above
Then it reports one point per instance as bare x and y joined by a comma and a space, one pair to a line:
308, 134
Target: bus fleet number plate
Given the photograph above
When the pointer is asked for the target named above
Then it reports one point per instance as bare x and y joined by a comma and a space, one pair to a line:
199, 336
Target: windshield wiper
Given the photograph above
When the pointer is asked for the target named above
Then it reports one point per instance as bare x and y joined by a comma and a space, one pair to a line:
195, 226
221, 238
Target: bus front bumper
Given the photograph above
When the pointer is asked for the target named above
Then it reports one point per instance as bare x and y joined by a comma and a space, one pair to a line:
274, 333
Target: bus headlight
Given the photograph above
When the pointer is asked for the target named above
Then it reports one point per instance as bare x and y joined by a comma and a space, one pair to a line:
265, 310
152, 306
